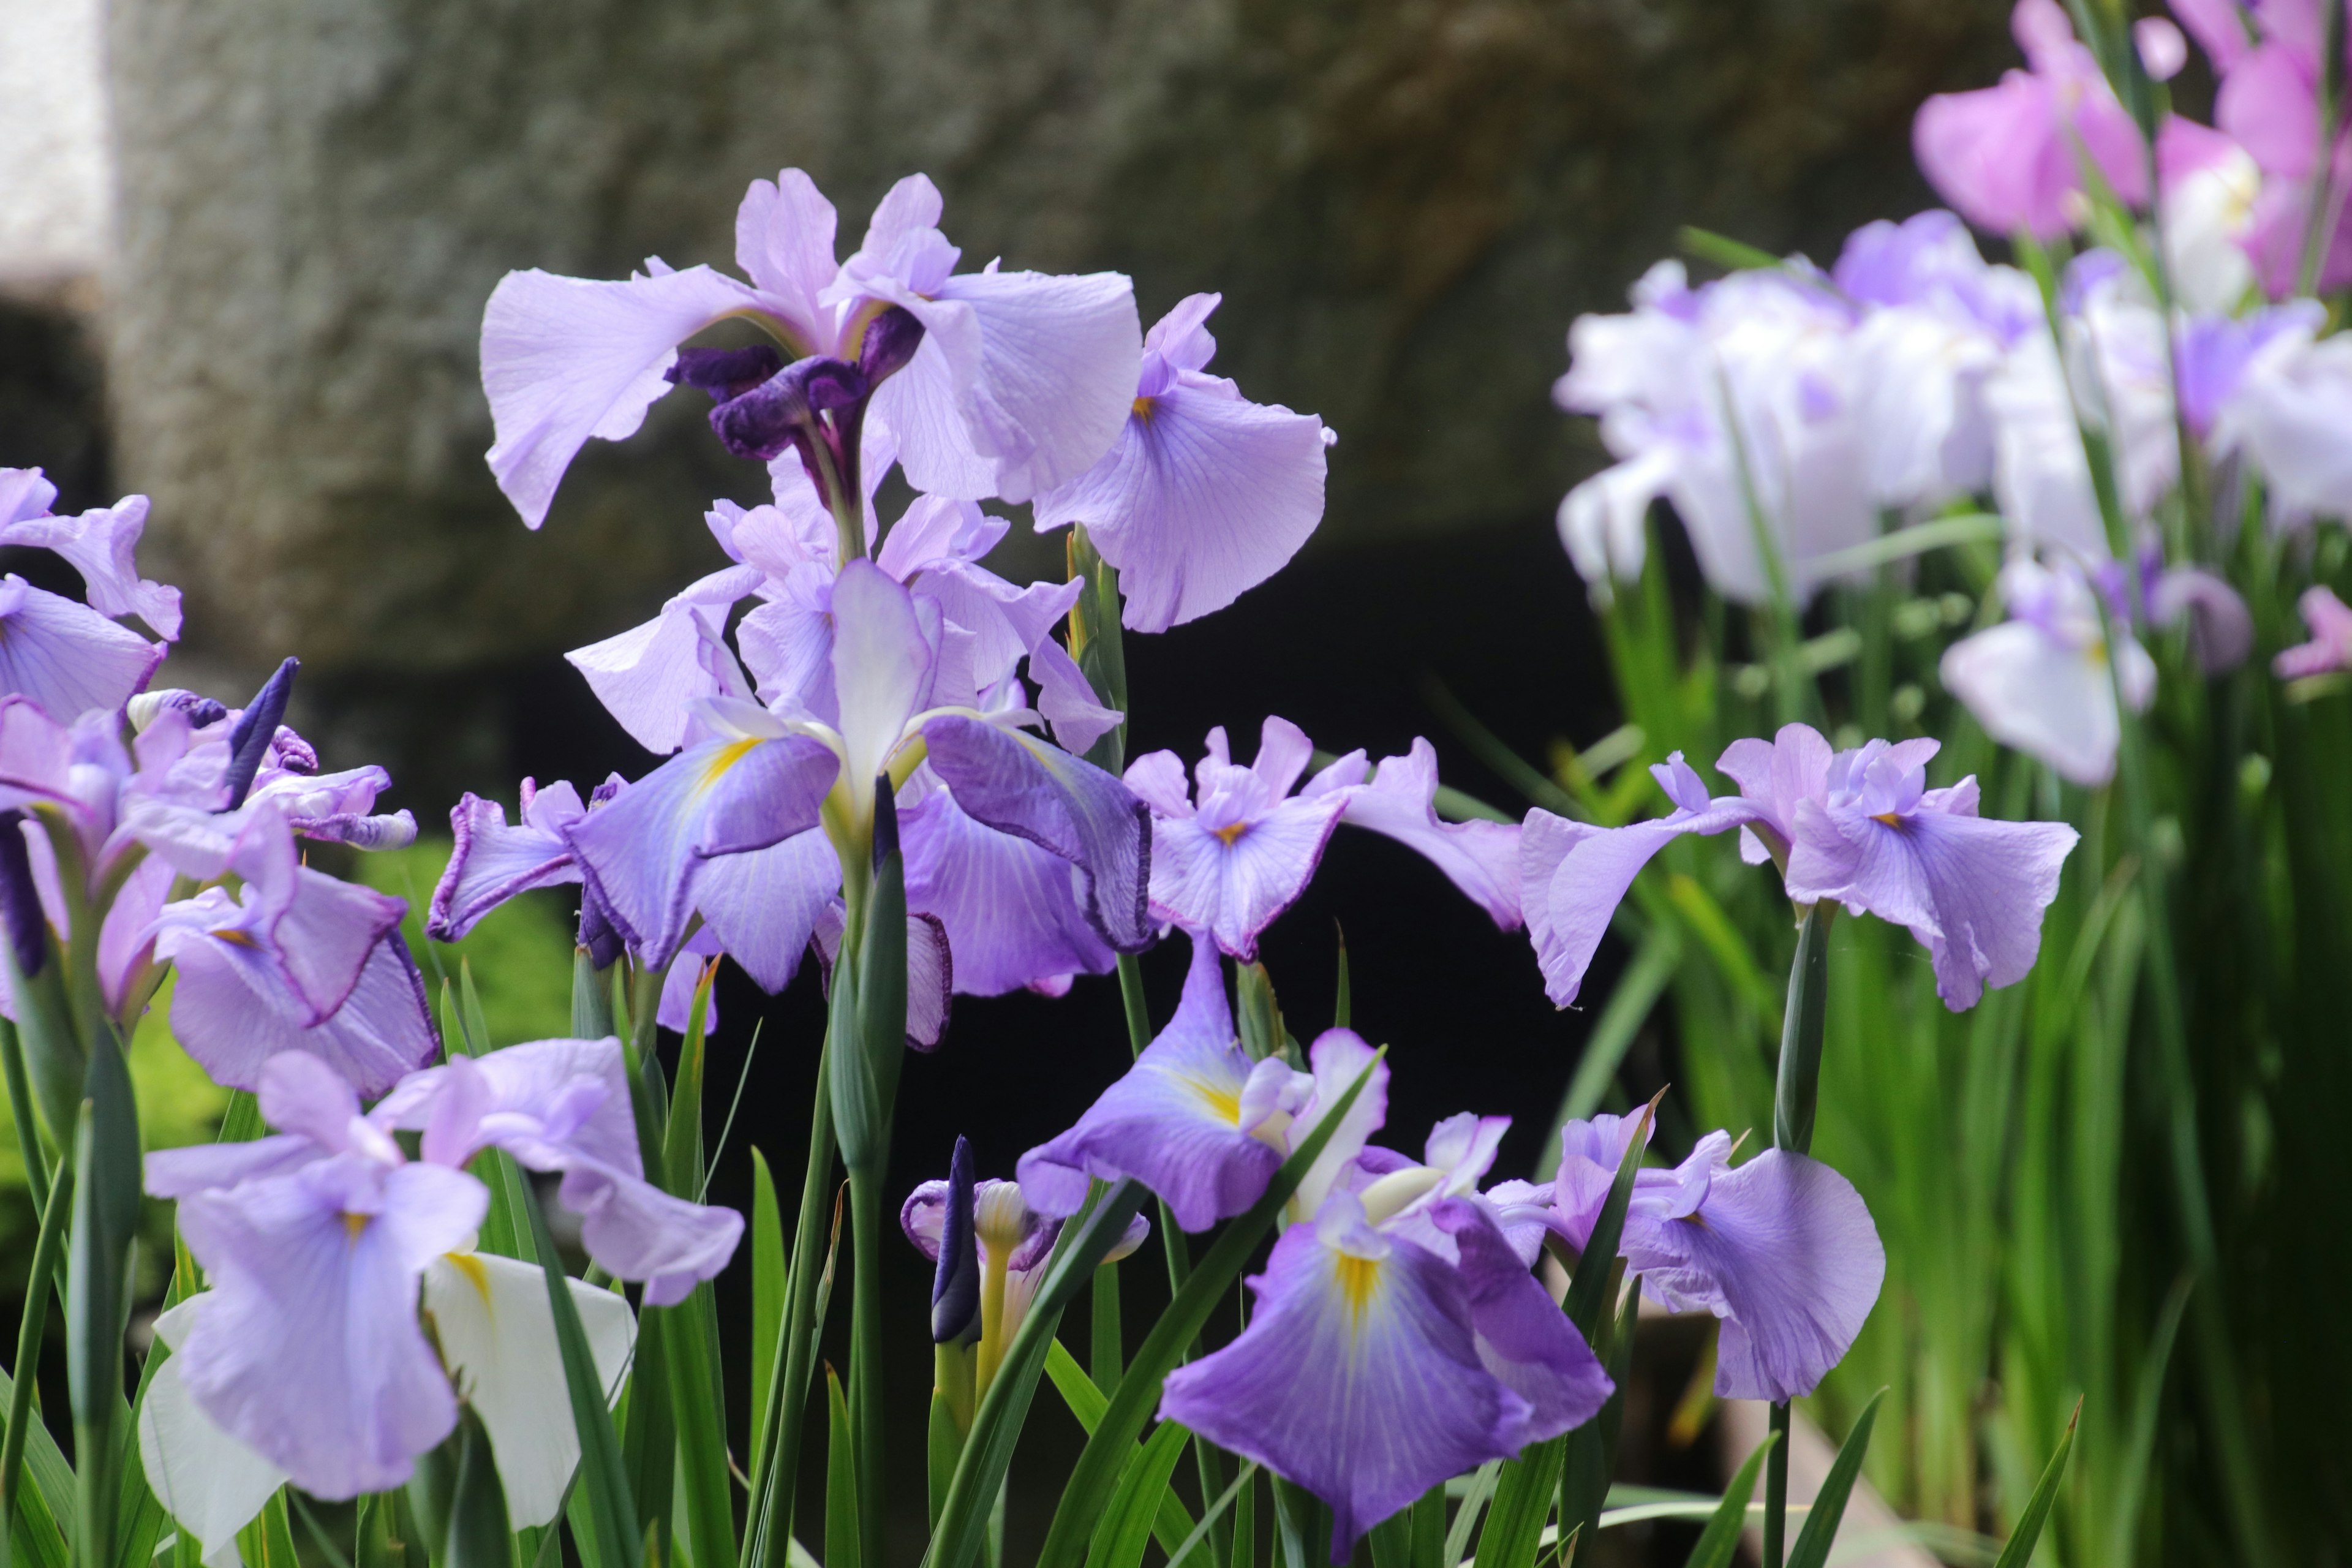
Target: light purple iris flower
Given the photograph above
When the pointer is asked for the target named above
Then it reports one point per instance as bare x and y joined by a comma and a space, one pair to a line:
2330, 648
1204, 1127
2006, 156
1032, 862
71, 657
1205, 495
1374, 1368
1860, 827
995, 383
1229, 855
1781, 1249
563, 1106
2045, 681
307, 1348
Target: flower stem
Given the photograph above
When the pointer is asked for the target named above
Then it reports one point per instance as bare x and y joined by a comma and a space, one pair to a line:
788, 1395
1794, 1095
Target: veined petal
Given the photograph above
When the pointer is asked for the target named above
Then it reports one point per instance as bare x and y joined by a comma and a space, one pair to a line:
1174, 1122
1043, 372
99, 544
67, 657
1201, 497
567, 358
764, 904
211, 1484
1784, 1252
1011, 909
307, 1348
783, 243
1523, 1337
1358, 1376
497, 1333
647, 676
1235, 886
1018, 784
642, 854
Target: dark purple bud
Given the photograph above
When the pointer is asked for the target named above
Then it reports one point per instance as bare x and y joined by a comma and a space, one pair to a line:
249, 738
891, 339
28, 926
955, 1287
597, 935
781, 412
886, 821
724, 373
295, 754
201, 712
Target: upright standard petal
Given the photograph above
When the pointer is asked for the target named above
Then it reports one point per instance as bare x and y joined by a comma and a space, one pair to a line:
1782, 1250
307, 1348
1019, 785
1358, 1376
564, 359
649, 676
497, 1333
642, 854
1184, 1121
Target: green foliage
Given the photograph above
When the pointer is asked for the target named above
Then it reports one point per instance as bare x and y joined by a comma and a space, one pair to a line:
521, 953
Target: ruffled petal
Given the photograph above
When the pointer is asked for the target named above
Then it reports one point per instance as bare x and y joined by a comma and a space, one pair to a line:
1784, 1252
492, 862
1482, 859
233, 1011
567, 358
1524, 1338
1574, 875
649, 676
1236, 886
100, 545
1203, 497
1043, 372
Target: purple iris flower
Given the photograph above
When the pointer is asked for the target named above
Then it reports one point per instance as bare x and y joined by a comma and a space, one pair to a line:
1229, 855
1781, 1249
1033, 863
307, 1348
294, 961
563, 1106
71, 657
1205, 495
1374, 1367
997, 382
1860, 827
2330, 648
2008, 157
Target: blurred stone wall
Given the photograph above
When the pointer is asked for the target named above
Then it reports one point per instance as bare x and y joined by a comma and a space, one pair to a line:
1404, 204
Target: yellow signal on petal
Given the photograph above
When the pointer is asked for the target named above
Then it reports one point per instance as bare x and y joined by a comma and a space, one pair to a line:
1230, 833
1357, 1278
726, 757
1224, 1101
469, 1264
